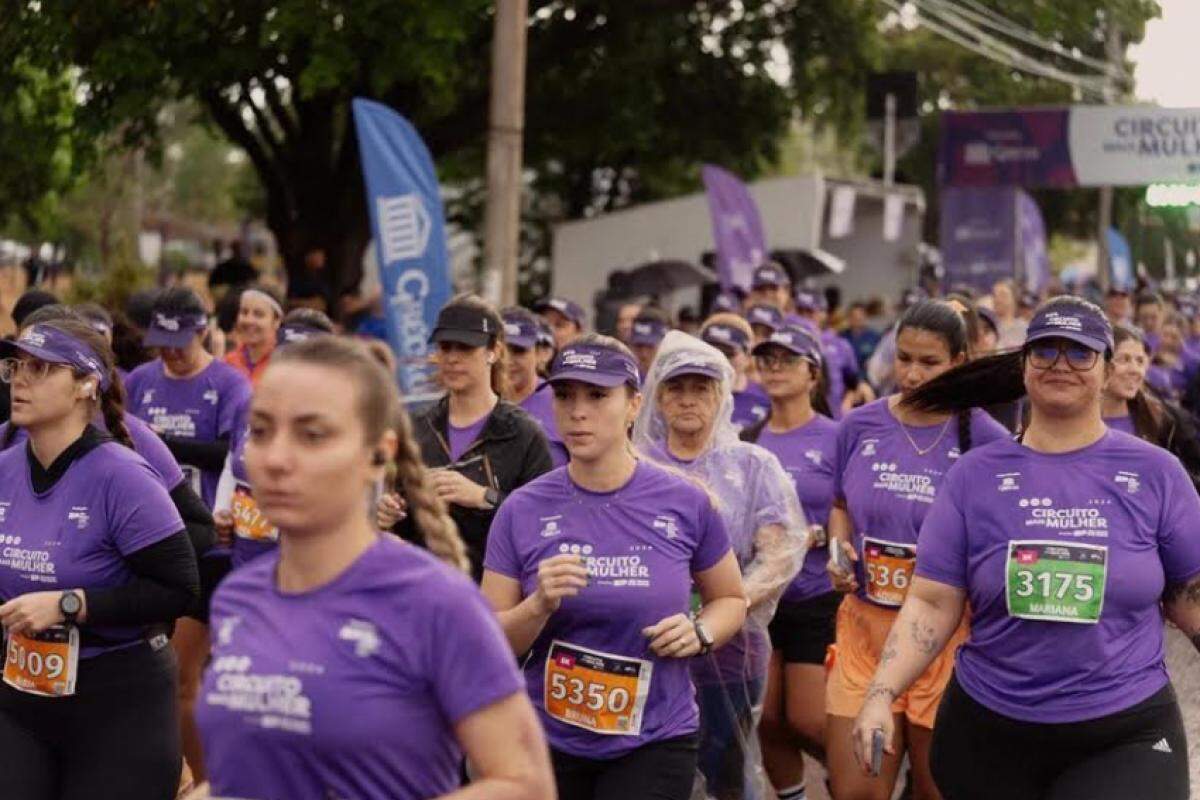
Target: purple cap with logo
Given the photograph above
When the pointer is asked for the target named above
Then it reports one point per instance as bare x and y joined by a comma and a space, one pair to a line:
594, 364
793, 338
721, 335
568, 308
1076, 320
761, 314
989, 316
810, 301
292, 333
520, 330
648, 331
769, 274
56, 347
174, 330
545, 336
726, 302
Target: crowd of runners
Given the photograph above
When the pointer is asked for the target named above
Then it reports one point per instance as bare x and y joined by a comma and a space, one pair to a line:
937, 559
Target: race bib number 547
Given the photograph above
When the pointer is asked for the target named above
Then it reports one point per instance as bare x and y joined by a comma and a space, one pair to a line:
1056, 581
44, 663
601, 692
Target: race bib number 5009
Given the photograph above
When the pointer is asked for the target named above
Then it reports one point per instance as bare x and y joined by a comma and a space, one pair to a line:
1056, 581
43, 663
598, 691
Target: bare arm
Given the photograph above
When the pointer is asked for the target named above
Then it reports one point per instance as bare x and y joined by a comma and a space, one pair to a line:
507, 752
1181, 605
723, 598
930, 614
840, 530
523, 618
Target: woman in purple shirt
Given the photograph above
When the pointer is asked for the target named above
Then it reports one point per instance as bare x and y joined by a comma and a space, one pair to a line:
800, 433
591, 569
94, 565
1070, 545
346, 663
525, 388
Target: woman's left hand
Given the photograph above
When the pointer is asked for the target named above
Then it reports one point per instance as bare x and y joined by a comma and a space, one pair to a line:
673, 637
31, 613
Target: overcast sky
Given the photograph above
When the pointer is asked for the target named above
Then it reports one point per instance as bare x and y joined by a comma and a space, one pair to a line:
1167, 59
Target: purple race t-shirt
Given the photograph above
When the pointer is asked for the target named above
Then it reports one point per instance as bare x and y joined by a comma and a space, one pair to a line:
203, 408
886, 485
1122, 503
750, 406
641, 544
460, 439
808, 454
107, 505
842, 364
540, 406
1124, 424
145, 443
352, 689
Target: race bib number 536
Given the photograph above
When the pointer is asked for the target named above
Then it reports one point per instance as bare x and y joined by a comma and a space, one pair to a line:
1056, 581
44, 663
889, 568
598, 691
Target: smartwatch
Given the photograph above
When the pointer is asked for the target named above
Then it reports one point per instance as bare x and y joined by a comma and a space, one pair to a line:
706, 639
491, 497
70, 604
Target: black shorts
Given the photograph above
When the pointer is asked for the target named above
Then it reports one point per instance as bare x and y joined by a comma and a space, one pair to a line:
978, 754
213, 569
801, 632
662, 770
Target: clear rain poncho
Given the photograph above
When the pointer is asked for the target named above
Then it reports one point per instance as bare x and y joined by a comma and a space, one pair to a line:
758, 503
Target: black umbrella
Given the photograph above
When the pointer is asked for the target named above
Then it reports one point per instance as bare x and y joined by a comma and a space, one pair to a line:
808, 263
663, 277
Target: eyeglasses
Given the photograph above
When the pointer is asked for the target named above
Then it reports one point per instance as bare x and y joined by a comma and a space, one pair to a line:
778, 361
1044, 355
33, 368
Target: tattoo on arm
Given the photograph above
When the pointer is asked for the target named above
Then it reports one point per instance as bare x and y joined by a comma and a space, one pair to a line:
925, 638
881, 692
891, 649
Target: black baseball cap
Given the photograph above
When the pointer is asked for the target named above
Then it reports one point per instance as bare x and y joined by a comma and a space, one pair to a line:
465, 325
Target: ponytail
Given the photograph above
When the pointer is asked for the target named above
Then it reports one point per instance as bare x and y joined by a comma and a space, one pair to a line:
112, 408
964, 431
986, 381
820, 396
427, 509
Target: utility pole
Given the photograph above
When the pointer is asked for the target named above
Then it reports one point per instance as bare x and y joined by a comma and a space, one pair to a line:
502, 221
1113, 52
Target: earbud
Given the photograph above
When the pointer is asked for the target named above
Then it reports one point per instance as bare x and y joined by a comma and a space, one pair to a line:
380, 458
491, 359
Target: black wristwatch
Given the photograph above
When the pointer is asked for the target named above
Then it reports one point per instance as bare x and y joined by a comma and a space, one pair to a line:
706, 639
491, 497
70, 604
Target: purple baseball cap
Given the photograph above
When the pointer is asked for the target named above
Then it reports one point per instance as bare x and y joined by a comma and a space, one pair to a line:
647, 330
53, 346
761, 314
520, 330
690, 362
721, 335
1073, 319
545, 336
594, 364
795, 339
568, 308
769, 274
175, 330
810, 301
989, 316
726, 302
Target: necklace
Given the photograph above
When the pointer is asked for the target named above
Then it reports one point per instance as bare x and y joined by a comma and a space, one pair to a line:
911, 441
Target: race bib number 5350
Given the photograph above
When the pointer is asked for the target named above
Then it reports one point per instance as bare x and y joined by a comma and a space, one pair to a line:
1056, 581
598, 691
44, 663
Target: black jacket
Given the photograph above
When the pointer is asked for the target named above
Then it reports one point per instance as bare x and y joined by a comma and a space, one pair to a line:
510, 452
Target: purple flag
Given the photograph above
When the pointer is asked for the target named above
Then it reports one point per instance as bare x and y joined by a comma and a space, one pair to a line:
737, 228
1032, 230
977, 236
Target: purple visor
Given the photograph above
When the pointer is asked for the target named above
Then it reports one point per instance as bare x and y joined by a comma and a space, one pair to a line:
56, 347
594, 364
1078, 323
174, 330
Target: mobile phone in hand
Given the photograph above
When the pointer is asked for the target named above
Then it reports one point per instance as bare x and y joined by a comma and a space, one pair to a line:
876, 751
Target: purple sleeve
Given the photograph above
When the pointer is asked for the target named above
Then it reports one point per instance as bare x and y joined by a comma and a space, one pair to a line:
474, 667
985, 429
1178, 544
712, 540
841, 454
140, 511
150, 447
231, 408
942, 544
501, 556
849, 359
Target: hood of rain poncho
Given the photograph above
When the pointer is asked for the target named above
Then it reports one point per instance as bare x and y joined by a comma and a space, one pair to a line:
758, 503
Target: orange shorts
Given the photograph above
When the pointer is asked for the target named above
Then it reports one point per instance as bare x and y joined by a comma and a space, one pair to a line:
862, 628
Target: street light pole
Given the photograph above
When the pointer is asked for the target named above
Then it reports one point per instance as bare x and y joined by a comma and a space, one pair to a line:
502, 220
1112, 49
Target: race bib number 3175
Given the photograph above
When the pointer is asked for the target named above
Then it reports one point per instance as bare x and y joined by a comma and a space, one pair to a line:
1056, 581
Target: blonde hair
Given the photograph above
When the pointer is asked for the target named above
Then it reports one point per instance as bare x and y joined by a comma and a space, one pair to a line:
379, 409
730, 319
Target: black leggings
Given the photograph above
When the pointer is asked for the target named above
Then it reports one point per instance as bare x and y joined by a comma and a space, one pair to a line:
980, 755
657, 771
117, 738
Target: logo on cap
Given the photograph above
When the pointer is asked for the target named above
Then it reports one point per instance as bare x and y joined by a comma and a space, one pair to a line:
166, 323
719, 333
34, 337
573, 358
1065, 321
512, 329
